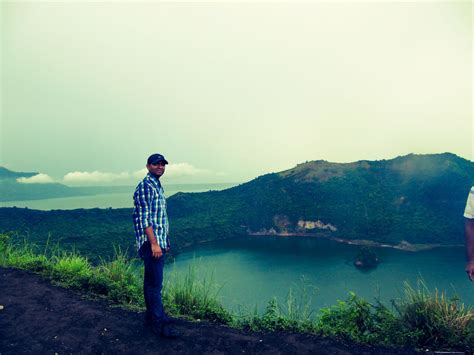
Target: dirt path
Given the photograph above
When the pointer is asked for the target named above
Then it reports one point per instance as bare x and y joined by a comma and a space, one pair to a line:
39, 318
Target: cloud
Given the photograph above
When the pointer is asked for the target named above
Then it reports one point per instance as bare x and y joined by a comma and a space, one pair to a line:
36, 179
183, 169
94, 177
139, 174
176, 170
173, 171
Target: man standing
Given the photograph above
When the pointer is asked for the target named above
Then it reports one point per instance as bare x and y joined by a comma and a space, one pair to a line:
469, 229
151, 230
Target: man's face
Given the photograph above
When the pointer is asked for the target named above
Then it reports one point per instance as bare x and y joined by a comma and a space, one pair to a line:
157, 169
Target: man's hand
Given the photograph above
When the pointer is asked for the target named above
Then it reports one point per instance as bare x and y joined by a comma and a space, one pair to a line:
157, 252
470, 270
469, 230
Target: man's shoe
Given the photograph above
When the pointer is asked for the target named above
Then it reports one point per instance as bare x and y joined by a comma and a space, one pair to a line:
169, 332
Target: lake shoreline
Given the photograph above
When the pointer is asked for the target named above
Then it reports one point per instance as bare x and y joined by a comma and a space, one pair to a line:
403, 245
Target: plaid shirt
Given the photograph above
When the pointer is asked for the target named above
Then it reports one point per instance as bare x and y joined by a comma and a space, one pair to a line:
150, 210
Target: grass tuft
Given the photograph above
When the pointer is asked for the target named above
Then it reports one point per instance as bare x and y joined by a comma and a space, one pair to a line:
196, 298
22, 255
294, 314
431, 319
71, 269
119, 280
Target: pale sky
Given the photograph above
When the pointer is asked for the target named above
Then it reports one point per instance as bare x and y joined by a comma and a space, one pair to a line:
229, 91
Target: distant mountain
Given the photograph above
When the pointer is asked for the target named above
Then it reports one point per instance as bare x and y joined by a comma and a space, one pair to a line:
12, 190
6, 174
414, 198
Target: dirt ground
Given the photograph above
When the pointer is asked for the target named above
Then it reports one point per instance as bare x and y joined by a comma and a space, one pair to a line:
39, 318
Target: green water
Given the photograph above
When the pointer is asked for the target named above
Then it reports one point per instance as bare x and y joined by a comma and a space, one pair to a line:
255, 269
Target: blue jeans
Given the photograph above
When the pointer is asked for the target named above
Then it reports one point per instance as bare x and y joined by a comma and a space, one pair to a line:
152, 285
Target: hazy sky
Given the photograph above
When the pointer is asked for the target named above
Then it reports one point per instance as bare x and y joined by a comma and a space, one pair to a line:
229, 91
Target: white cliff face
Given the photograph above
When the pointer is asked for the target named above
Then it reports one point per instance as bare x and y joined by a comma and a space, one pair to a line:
283, 227
309, 225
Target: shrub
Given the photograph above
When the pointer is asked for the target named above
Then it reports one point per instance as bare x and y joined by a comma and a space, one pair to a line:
433, 320
294, 315
120, 280
358, 320
22, 255
271, 320
99, 284
195, 298
71, 269
4, 243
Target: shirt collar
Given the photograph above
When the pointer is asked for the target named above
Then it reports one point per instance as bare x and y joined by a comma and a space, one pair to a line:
154, 180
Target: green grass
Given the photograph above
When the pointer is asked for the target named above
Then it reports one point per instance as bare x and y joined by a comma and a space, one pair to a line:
123, 285
70, 269
195, 297
22, 255
359, 320
294, 314
433, 319
420, 319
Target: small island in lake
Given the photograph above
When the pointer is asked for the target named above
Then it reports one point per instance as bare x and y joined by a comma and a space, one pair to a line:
366, 259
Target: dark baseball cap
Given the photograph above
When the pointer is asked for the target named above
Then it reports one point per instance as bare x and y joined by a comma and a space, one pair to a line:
156, 158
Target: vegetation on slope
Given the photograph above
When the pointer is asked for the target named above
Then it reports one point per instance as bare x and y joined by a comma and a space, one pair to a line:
387, 201
92, 232
422, 319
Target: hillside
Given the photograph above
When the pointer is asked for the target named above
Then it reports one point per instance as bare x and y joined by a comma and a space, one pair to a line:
6, 174
414, 198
